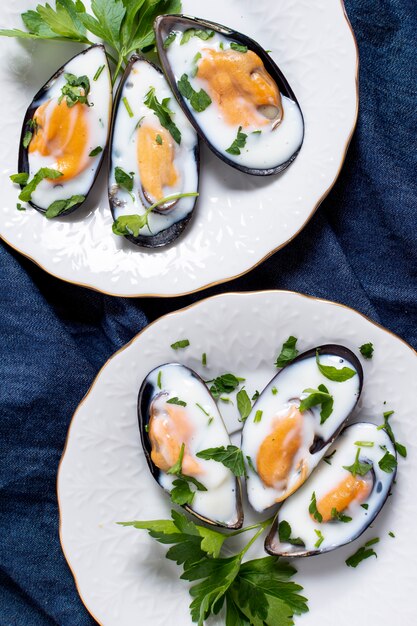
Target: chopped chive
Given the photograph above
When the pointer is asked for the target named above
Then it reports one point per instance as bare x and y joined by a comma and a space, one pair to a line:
274, 391
159, 383
202, 409
391, 534
159, 140
210, 421
127, 105
98, 73
204, 359
365, 444
258, 416
320, 538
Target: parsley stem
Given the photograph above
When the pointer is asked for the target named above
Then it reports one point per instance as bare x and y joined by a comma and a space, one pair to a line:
262, 525
253, 527
177, 196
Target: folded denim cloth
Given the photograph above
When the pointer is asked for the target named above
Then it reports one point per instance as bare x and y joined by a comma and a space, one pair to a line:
359, 249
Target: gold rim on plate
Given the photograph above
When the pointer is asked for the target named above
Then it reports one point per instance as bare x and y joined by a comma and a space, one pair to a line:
127, 345
264, 258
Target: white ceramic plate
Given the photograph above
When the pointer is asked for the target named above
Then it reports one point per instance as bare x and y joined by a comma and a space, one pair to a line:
121, 573
240, 219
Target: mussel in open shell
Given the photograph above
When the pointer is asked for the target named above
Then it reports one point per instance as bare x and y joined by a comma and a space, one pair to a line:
342, 497
66, 129
233, 93
178, 418
295, 420
154, 157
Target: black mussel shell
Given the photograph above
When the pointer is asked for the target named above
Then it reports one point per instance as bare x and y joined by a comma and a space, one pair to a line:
300, 551
23, 158
164, 24
146, 395
167, 236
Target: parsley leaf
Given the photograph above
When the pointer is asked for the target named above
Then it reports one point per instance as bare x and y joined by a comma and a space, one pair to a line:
176, 400
367, 350
288, 352
340, 517
313, 510
96, 151
75, 90
284, 534
31, 129
182, 343
20, 179
243, 404
181, 492
238, 47
204, 35
163, 113
226, 383
123, 179
402, 450
62, 206
358, 467
388, 463
45, 172
333, 373
199, 100
320, 396
238, 144
231, 457
362, 553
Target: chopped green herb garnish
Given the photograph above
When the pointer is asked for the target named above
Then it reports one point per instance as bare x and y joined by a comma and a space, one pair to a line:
255, 396
333, 373
163, 113
20, 207
204, 35
400, 448
204, 359
159, 381
340, 517
288, 352
238, 47
284, 534
123, 179
358, 467
365, 444
256, 132
226, 383
158, 139
31, 129
171, 37
182, 493
320, 396
243, 404
98, 73
274, 391
231, 457
367, 350
238, 143
194, 69
127, 106
30, 186
75, 90
211, 419
202, 409
320, 538
146, 428
328, 459
388, 463
258, 416
96, 151
391, 534
225, 400
365, 506
362, 553
182, 343
199, 100
62, 206
177, 468
251, 465
176, 400
312, 509
132, 224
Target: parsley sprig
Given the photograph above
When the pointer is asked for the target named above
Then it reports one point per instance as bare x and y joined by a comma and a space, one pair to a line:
163, 113
358, 467
181, 492
319, 396
132, 224
125, 26
226, 383
231, 457
255, 592
400, 448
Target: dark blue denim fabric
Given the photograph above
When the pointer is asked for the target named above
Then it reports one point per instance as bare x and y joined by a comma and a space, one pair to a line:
360, 249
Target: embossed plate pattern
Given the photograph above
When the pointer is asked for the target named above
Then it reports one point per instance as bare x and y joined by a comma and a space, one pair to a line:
240, 219
122, 575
